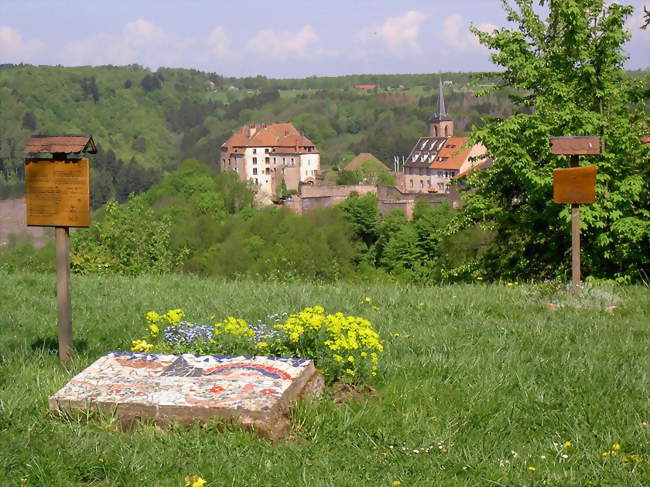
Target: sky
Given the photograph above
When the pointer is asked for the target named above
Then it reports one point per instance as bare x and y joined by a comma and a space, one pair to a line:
281, 38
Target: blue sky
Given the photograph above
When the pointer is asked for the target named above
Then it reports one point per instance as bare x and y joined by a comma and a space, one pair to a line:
292, 38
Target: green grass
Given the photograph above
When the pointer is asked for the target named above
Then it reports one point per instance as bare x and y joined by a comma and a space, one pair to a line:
483, 373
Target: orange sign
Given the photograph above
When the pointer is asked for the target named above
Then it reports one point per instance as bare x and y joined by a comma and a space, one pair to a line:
57, 193
574, 185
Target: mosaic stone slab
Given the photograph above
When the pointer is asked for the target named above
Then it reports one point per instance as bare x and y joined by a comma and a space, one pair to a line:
255, 391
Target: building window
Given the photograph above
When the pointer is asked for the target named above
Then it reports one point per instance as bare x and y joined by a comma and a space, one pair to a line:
411, 183
292, 161
268, 160
421, 184
254, 151
283, 161
429, 182
266, 151
268, 171
254, 160
274, 161
254, 170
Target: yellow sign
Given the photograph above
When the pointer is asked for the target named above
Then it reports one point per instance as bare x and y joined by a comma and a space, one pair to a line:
57, 193
574, 185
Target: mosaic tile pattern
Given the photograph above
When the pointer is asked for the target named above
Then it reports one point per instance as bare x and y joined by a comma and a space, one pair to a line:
188, 386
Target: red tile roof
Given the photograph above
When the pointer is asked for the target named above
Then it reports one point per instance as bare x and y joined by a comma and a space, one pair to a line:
366, 87
278, 135
69, 144
360, 159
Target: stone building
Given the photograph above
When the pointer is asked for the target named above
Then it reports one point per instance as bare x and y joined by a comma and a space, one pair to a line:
435, 160
269, 154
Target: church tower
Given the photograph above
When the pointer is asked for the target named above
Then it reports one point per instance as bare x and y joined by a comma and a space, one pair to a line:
440, 125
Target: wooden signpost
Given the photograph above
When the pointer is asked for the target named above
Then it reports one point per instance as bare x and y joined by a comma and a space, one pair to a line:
57, 194
575, 185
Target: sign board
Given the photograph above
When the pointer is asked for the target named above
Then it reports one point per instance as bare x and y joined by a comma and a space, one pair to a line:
57, 193
574, 185
575, 145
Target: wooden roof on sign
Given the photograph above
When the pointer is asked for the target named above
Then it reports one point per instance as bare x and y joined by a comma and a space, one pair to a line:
68, 144
575, 145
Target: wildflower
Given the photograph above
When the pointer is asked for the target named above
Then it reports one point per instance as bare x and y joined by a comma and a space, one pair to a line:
338, 358
153, 317
262, 345
376, 308
350, 358
367, 300
532, 469
510, 284
565, 456
24, 480
349, 372
616, 447
421, 304
140, 346
154, 330
543, 457
194, 481
606, 453
395, 483
568, 444
479, 278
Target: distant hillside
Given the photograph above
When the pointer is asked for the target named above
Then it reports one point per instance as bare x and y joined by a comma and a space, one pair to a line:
146, 123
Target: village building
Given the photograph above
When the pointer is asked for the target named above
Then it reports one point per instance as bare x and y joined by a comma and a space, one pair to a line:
437, 159
268, 155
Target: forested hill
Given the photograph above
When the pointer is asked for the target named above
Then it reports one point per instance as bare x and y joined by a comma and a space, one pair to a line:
146, 123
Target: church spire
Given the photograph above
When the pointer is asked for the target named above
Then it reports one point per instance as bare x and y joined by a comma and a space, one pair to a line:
442, 113
440, 125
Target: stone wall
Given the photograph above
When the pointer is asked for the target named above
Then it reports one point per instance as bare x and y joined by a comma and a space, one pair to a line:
389, 198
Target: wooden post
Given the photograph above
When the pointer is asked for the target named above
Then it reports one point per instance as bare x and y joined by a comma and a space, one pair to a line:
575, 234
63, 293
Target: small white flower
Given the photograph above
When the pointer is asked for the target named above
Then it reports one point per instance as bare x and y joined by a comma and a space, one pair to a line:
514, 454
564, 455
543, 457
416, 451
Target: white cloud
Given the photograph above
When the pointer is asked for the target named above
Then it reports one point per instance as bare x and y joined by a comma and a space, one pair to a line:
284, 45
140, 42
15, 49
456, 34
398, 34
219, 44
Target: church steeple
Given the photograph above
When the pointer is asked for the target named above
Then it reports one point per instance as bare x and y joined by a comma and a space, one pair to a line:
442, 113
440, 125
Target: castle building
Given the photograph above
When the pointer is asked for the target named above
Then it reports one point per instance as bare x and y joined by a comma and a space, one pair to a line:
435, 160
267, 155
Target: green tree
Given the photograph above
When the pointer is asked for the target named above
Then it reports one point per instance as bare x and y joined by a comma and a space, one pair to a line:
564, 59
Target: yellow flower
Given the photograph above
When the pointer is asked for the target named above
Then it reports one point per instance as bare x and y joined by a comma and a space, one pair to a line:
350, 358
349, 372
510, 284
376, 308
24, 480
364, 354
568, 444
338, 358
479, 278
262, 345
367, 300
194, 481
616, 447
140, 346
605, 453
395, 483
153, 317
154, 330
532, 469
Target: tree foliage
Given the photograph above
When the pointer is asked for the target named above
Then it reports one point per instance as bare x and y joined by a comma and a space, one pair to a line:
565, 60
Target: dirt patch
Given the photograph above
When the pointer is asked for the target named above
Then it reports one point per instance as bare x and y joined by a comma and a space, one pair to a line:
12, 222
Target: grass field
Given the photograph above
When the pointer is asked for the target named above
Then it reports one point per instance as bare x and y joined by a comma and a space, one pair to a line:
477, 384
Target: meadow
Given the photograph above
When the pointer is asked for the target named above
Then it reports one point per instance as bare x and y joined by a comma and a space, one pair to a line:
479, 386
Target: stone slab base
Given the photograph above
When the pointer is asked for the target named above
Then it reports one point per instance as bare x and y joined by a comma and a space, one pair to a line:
254, 392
